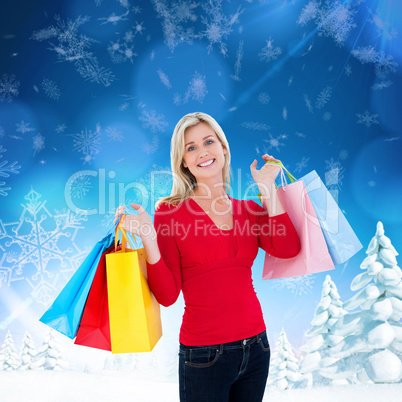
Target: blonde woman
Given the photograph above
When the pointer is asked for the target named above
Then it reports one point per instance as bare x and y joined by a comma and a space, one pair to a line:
203, 242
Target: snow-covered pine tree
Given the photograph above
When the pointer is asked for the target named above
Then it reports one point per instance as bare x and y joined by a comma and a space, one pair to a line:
49, 356
9, 357
319, 347
284, 365
28, 352
372, 347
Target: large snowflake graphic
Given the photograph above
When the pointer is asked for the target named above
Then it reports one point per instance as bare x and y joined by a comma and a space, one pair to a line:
269, 52
5, 170
367, 118
177, 19
9, 88
40, 248
197, 88
51, 89
88, 143
274, 142
71, 45
384, 64
299, 285
333, 18
217, 25
152, 120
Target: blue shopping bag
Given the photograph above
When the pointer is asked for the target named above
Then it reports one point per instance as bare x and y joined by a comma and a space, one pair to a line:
64, 315
341, 240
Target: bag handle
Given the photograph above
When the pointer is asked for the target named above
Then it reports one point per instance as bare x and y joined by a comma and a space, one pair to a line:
125, 240
283, 178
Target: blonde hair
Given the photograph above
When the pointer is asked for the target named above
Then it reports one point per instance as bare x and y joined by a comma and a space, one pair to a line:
184, 182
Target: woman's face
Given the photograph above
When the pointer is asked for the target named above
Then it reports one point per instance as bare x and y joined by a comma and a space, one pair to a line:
202, 145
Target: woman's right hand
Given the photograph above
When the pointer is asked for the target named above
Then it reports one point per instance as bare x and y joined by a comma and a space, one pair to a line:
140, 224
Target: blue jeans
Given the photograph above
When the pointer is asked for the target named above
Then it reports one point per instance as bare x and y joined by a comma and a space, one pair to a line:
233, 371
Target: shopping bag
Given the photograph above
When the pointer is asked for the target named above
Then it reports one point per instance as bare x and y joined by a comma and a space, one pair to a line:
134, 313
341, 240
313, 256
94, 329
64, 315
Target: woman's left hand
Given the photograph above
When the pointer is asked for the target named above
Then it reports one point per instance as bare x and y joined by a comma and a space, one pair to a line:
268, 173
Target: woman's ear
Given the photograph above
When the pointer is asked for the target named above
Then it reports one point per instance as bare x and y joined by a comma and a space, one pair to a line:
184, 164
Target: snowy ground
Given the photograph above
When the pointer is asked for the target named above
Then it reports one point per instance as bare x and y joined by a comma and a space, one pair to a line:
76, 386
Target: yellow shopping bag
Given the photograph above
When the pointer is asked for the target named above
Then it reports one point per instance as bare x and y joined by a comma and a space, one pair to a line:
134, 313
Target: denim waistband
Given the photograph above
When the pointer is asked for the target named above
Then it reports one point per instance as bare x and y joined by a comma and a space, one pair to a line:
230, 345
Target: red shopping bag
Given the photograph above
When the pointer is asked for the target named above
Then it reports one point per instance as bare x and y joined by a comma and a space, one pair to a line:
314, 256
94, 329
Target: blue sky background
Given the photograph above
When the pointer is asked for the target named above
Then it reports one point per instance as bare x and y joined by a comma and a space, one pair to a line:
95, 88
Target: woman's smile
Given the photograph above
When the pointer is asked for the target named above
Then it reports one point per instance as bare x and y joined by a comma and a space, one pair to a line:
207, 164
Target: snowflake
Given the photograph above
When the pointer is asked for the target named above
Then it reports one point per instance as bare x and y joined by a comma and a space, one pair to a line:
38, 143
155, 122
383, 28
124, 106
42, 242
139, 28
177, 99
381, 85
299, 285
114, 19
51, 89
87, 142
333, 19
239, 57
156, 184
371, 183
323, 97
253, 125
308, 104
285, 113
89, 69
151, 148
348, 70
275, 142
269, 53
60, 128
164, 79
367, 118
73, 46
5, 171
121, 53
327, 116
176, 15
197, 88
23, 127
217, 26
383, 64
114, 134
301, 165
334, 174
264, 98
343, 154
80, 186
8, 88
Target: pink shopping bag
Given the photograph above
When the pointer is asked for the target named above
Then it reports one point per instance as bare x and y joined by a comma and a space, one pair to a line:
314, 256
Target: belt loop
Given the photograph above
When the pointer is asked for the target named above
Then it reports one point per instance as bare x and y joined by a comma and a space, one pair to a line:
220, 348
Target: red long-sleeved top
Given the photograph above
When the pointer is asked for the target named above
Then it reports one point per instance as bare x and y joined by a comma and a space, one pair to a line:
213, 267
